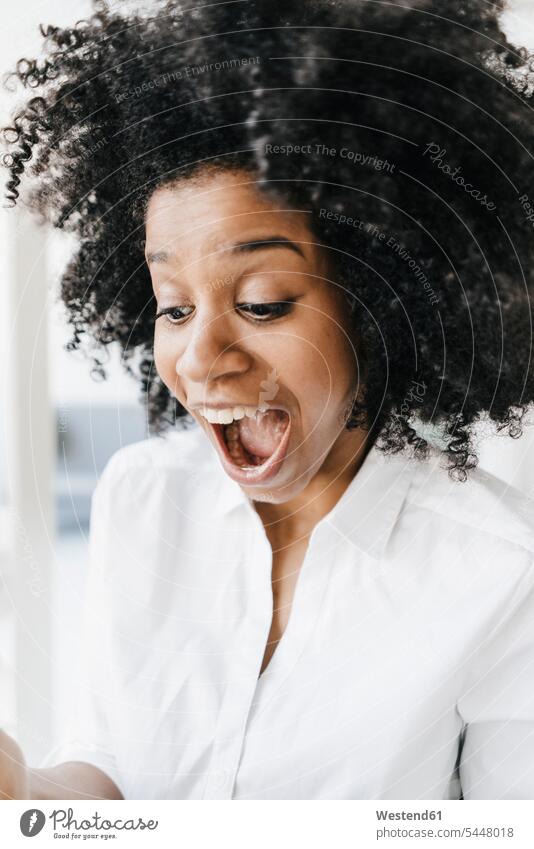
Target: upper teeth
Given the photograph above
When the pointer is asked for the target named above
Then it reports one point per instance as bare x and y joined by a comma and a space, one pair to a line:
229, 414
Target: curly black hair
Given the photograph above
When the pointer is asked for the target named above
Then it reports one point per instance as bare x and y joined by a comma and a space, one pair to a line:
404, 126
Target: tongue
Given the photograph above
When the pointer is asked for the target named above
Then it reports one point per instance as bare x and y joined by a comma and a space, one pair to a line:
260, 435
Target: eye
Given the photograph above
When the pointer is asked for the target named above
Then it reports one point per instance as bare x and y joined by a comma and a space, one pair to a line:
257, 312
175, 315
266, 311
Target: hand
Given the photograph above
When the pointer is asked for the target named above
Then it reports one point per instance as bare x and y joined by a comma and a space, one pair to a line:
14, 775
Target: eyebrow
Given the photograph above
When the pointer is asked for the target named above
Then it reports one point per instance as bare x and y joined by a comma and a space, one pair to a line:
239, 247
268, 242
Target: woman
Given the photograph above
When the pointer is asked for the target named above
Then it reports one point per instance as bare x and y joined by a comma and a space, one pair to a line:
303, 224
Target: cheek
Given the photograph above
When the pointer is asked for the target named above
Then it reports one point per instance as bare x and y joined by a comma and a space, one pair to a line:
165, 357
324, 361
161, 355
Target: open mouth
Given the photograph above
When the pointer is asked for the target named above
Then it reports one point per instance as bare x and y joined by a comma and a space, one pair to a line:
253, 442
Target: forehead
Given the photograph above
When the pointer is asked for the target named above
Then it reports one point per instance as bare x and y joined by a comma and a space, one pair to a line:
217, 210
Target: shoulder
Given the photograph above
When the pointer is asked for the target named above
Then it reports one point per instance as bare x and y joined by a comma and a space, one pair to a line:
485, 505
183, 455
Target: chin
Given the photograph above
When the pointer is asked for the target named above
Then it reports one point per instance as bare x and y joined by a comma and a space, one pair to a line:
279, 494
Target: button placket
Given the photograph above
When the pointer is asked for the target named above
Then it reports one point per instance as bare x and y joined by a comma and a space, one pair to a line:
241, 687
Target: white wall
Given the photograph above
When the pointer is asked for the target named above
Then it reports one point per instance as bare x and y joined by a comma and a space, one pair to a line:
70, 382
518, 23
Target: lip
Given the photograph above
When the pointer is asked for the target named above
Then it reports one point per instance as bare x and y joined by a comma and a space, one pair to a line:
258, 474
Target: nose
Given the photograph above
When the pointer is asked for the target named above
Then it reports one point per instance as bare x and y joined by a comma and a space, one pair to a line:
212, 351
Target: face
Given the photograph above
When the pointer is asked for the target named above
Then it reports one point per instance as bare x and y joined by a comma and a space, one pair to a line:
252, 334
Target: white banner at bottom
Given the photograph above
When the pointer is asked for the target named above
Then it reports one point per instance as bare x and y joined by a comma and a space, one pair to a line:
268, 824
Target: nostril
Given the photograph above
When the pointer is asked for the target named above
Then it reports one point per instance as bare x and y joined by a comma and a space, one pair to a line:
206, 358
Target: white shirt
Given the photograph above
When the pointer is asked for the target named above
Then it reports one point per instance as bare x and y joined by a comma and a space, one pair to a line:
412, 627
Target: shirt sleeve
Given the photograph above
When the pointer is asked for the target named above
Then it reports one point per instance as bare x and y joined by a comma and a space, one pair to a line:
497, 759
87, 736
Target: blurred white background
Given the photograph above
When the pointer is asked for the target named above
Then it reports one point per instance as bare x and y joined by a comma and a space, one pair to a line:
57, 429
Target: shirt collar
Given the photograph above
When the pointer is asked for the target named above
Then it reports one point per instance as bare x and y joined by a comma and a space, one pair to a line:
366, 512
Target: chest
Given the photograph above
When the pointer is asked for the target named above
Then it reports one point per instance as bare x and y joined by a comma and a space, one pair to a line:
286, 565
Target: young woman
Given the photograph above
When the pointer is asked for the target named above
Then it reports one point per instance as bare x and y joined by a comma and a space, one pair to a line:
308, 227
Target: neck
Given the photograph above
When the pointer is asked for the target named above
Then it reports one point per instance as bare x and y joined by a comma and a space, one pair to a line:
296, 518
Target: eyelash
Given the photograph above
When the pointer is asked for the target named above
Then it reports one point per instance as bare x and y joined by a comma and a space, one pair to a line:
280, 308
